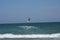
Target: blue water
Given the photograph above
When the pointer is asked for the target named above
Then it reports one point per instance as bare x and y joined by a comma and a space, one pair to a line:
30, 28
15, 31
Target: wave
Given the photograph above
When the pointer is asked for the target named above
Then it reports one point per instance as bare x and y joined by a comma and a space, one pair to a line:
28, 27
57, 35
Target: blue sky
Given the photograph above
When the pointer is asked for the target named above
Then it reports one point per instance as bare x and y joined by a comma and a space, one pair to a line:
17, 11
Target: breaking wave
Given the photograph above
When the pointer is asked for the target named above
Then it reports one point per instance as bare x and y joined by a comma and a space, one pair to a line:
57, 35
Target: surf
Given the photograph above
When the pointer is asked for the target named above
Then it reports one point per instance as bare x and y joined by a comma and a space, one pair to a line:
57, 35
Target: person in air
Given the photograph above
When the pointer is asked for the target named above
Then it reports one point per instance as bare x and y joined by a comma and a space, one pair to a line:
29, 19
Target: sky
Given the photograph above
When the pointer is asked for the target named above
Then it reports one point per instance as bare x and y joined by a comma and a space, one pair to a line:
17, 11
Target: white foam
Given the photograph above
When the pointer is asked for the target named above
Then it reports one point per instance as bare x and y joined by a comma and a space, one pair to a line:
27, 27
30, 36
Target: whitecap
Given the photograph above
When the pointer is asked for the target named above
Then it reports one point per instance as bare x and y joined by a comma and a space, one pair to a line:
28, 27
57, 35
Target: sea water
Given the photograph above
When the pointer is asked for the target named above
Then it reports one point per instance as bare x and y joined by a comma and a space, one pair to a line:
30, 31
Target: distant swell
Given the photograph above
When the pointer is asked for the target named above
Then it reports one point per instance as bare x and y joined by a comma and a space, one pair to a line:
30, 36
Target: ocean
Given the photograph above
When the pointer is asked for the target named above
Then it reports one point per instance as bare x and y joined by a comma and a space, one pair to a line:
30, 31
